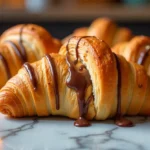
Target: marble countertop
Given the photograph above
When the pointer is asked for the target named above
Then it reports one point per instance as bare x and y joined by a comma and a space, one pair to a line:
55, 133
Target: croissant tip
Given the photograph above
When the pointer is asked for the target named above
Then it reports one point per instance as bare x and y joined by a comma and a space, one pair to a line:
6, 111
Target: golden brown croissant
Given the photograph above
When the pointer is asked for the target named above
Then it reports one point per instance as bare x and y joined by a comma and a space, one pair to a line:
21, 43
105, 29
136, 50
85, 81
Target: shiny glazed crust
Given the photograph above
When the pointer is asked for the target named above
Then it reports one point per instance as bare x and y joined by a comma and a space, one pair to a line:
18, 98
131, 50
36, 41
104, 29
34, 34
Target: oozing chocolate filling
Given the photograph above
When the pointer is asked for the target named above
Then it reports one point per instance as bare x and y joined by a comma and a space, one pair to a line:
119, 119
5, 65
79, 80
54, 78
143, 55
31, 73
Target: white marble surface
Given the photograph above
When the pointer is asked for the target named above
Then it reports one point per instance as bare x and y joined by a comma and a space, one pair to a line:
60, 134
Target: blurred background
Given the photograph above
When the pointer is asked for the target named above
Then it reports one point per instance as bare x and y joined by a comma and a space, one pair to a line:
61, 17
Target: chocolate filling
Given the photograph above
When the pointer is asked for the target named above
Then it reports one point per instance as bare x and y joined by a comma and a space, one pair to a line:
79, 80
22, 48
54, 78
31, 73
5, 65
16, 50
76, 48
21, 55
119, 119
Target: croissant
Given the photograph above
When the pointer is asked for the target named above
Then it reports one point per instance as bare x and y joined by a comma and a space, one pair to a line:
21, 43
105, 29
84, 81
136, 50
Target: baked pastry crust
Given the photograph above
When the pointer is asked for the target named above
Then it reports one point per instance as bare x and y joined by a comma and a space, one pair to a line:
134, 50
19, 98
21, 43
104, 29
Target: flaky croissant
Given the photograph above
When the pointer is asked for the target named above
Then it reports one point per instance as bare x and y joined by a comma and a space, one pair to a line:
136, 50
21, 43
105, 29
85, 81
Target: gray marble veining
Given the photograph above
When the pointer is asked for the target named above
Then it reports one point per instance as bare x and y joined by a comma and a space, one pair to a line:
59, 134
14, 131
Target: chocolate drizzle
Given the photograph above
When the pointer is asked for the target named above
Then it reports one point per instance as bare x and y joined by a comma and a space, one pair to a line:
16, 50
143, 55
31, 73
21, 54
54, 77
79, 80
119, 119
5, 65
76, 48
22, 48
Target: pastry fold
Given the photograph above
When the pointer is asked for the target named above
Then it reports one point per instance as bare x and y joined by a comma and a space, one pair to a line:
23, 43
104, 29
136, 50
20, 97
